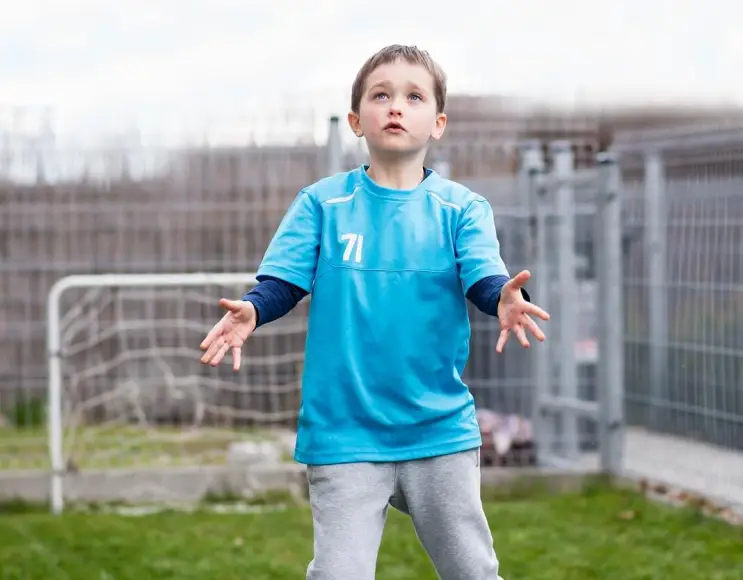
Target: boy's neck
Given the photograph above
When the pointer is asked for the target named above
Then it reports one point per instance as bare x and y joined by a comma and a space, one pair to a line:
405, 175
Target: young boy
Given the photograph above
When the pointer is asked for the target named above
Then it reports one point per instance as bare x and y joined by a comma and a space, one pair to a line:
389, 252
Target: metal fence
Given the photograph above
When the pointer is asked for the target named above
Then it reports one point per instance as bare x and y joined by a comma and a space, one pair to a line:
683, 287
643, 368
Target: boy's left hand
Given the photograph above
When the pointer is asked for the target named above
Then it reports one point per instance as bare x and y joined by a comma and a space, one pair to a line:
514, 313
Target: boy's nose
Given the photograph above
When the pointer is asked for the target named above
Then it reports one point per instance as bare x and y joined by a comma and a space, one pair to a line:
396, 106
395, 109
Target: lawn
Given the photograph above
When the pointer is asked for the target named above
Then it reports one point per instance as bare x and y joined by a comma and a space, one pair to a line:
123, 446
601, 534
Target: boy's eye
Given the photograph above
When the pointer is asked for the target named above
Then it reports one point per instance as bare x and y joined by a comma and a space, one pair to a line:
416, 96
380, 95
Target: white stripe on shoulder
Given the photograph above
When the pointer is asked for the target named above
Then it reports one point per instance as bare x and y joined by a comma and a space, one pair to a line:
442, 202
343, 199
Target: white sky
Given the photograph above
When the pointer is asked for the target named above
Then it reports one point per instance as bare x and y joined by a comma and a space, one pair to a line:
181, 66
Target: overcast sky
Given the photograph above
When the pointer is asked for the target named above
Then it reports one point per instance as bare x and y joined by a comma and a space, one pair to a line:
180, 66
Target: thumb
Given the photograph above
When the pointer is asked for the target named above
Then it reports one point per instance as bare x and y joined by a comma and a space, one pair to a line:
519, 279
235, 306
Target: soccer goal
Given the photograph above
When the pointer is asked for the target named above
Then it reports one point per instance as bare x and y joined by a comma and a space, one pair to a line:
126, 387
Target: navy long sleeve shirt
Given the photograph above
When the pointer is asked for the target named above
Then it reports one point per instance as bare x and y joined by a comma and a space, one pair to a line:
273, 297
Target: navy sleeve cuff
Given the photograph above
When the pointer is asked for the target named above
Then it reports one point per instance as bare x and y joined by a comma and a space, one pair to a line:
273, 298
485, 294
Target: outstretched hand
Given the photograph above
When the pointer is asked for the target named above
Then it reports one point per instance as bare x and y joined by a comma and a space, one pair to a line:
230, 333
514, 313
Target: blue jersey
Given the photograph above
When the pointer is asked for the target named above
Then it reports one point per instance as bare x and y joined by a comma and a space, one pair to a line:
388, 332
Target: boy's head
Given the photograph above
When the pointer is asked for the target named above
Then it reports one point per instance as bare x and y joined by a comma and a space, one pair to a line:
398, 100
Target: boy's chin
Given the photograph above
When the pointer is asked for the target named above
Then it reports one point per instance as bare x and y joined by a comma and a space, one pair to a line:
397, 149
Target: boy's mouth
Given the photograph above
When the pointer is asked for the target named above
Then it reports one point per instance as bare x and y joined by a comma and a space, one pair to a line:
394, 127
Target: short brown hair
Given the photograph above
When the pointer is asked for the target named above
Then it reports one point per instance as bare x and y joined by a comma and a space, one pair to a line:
393, 53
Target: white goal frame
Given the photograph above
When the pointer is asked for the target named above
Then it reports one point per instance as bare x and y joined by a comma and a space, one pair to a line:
55, 354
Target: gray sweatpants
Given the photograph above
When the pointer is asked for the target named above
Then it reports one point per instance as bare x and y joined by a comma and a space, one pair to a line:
441, 495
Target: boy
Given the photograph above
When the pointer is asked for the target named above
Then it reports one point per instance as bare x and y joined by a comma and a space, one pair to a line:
389, 252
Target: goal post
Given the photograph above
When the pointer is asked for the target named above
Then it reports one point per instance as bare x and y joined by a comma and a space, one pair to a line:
125, 380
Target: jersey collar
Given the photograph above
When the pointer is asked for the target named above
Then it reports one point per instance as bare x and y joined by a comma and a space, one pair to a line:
428, 184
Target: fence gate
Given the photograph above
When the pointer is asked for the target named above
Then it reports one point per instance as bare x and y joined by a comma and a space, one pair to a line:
570, 238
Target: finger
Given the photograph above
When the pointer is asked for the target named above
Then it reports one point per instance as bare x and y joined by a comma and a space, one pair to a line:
518, 330
223, 350
212, 336
535, 310
236, 355
502, 339
213, 349
531, 326
519, 279
235, 306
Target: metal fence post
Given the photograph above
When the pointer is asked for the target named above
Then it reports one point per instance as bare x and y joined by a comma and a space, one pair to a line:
532, 184
335, 147
656, 251
562, 154
610, 314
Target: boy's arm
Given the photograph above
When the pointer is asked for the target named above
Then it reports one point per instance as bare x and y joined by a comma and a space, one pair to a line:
481, 268
287, 271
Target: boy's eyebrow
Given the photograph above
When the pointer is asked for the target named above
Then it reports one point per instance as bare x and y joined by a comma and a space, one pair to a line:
411, 85
379, 84
417, 88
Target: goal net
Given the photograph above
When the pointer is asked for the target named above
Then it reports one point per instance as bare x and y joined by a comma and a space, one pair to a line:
127, 389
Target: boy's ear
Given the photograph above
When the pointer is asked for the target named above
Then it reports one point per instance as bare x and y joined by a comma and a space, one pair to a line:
439, 127
353, 122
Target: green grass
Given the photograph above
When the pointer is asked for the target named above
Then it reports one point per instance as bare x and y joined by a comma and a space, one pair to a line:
601, 535
122, 446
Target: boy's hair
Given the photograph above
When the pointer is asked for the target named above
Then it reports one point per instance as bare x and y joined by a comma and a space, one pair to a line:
393, 53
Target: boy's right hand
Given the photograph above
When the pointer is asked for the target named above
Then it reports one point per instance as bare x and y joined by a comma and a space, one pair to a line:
230, 333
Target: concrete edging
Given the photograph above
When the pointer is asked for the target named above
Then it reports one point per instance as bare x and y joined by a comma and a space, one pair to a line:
191, 484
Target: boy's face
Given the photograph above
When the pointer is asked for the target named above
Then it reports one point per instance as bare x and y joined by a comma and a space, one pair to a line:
397, 113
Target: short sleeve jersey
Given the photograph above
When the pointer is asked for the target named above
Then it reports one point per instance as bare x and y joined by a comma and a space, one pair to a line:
388, 332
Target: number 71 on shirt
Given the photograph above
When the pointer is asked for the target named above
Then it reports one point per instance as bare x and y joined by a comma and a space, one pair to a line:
353, 241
